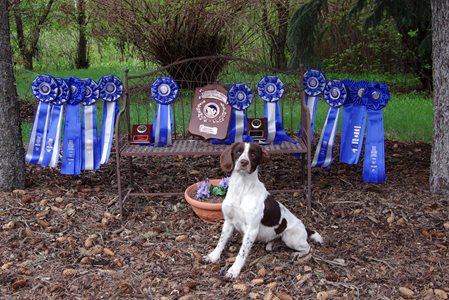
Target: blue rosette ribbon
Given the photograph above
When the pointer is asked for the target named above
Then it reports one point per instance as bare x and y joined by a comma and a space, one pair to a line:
240, 98
314, 84
111, 89
90, 144
270, 90
354, 121
53, 140
375, 97
335, 95
164, 90
45, 89
72, 154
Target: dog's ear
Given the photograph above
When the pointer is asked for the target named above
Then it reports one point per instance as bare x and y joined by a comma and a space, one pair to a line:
226, 160
265, 155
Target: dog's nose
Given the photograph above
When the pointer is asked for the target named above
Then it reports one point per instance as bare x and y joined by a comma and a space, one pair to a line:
244, 163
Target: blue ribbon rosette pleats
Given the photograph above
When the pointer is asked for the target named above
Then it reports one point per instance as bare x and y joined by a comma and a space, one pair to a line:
239, 98
335, 95
71, 155
375, 97
90, 158
314, 84
111, 89
53, 140
354, 120
270, 90
164, 90
45, 89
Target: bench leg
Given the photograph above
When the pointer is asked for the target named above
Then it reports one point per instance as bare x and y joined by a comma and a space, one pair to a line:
119, 186
131, 171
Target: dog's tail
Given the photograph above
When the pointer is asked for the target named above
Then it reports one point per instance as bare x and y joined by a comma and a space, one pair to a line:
314, 236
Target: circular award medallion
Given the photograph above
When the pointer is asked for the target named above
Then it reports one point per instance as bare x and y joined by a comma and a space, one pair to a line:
376, 96
92, 92
240, 96
335, 93
270, 88
314, 82
164, 90
77, 90
110, 87
64, 92
45, 88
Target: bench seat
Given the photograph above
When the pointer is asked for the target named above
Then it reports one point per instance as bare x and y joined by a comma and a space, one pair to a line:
199, 147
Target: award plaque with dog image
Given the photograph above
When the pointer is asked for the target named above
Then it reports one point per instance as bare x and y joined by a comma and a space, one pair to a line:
210, 115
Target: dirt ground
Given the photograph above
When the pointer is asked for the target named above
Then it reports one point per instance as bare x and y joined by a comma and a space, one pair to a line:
61, 237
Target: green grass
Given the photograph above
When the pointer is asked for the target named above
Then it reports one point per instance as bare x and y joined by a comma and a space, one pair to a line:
408, 117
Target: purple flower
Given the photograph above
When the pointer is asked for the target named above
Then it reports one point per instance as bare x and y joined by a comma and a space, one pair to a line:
203, 191
224, 183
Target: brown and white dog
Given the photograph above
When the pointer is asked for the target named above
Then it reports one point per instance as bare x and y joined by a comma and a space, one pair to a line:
249, 208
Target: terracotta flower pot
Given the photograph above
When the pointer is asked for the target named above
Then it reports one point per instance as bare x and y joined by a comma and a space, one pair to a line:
208, 212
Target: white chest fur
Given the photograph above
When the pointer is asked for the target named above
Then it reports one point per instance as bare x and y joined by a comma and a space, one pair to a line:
243, 204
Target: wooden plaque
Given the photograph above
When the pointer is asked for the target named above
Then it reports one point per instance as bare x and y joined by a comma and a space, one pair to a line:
210, 114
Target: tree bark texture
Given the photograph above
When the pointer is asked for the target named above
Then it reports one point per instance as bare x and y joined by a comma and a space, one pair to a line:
278, 40
12, 174
82, 61
439, 170
28, 51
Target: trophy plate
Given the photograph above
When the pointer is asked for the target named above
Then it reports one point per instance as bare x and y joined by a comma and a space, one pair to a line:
210, 115
141, 134
257, 128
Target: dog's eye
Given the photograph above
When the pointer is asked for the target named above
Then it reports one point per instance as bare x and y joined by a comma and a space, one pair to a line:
238, 153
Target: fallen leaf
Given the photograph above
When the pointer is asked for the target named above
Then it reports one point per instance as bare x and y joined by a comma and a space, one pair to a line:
231, 259
257, 281
271, 285
446, 225
181, 238
108, 252
19, 283
69, 272
262, 272
88, 243
8, 226
406, 292
241, 287
440, 293
390, 219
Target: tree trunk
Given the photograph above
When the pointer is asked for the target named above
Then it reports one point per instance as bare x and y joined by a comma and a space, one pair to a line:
27, 51
278, 40
82, 61
12, 174
439, 170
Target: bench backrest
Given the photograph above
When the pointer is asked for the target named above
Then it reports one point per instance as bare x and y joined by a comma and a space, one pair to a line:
139, 107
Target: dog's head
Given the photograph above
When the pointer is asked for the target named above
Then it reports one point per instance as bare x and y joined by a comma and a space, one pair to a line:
242, 157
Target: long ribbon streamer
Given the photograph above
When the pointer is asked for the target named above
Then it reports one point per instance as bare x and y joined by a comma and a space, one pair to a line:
71, 155
89, 132
314, 84
271, 89
45, 89
375, 97
335, 95
53, 140
164, 90
353, 127
111, 89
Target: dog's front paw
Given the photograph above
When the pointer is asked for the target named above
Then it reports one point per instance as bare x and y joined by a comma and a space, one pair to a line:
232, 273
212, 257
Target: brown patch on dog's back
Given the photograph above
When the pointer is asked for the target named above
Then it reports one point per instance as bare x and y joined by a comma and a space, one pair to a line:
281, 227
271, 212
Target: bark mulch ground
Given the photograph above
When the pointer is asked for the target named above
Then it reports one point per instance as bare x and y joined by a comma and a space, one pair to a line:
61, 238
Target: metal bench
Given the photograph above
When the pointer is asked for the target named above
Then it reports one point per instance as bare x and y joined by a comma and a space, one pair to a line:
138, 107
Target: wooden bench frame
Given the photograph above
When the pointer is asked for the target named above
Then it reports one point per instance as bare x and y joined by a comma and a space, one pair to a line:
187, 145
